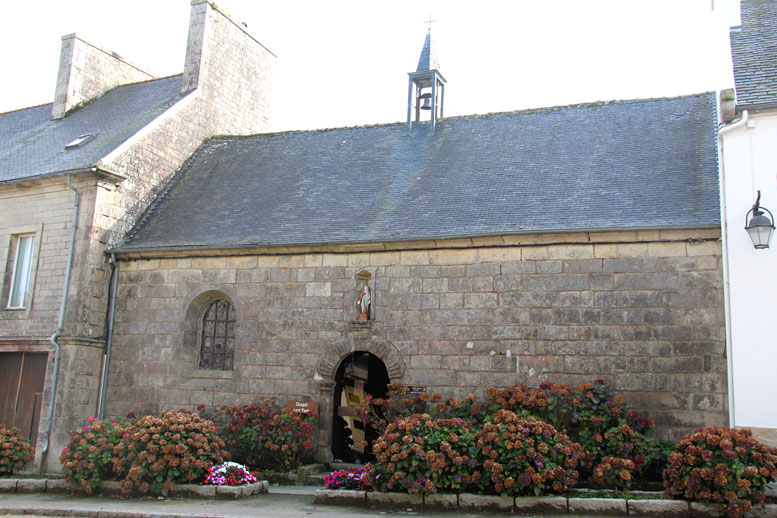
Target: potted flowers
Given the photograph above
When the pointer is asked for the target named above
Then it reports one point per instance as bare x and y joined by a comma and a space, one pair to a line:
229, 474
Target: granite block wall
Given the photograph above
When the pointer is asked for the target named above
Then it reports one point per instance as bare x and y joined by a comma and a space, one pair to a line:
643, 311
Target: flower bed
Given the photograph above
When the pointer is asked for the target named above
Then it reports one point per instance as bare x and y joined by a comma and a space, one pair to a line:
229, 474
262, 434
536, 441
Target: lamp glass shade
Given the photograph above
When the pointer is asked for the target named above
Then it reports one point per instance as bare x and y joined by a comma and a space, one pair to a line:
760, 229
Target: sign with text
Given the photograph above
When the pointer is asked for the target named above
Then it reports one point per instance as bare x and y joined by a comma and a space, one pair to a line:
415, 390
302, 407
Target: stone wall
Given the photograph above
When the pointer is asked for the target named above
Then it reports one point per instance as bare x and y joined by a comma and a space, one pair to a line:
231, 96
87, 71
45, 209
644, 311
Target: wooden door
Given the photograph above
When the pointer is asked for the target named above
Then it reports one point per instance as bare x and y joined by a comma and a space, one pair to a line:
22, 376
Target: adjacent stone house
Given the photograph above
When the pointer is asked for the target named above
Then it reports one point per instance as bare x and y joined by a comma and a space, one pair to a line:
748, 167
74, 176
569, 244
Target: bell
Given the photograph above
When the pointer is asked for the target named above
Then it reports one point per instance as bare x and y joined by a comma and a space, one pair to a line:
427, 105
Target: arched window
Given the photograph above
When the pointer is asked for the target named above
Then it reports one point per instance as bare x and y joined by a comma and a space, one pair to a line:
217, 340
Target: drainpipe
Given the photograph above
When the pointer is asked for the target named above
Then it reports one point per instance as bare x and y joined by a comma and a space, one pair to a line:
726, 277
61, 322
109, 340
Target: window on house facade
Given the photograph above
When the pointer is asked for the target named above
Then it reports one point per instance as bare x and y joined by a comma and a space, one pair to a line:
217, 340
21, 259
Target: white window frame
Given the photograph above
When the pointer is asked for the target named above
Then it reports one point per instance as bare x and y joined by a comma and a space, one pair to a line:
21, 273
11, 271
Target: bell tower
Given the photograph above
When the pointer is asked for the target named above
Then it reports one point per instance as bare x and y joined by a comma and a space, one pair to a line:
426, 87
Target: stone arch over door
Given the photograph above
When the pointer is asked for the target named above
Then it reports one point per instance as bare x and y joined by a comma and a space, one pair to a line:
334, 353
331, 357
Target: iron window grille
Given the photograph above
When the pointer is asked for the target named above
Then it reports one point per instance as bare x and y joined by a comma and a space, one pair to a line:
217, 349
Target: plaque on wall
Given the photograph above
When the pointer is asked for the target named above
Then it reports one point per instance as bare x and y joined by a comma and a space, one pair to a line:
302, 407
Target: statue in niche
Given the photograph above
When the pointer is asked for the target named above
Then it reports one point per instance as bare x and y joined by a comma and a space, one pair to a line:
364, 303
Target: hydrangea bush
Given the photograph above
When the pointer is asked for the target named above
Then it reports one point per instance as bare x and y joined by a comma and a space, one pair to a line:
419, 454
15, 450
88, 457
615, 472
263, 436
525, 456
721, 466
591, 416
595, 424
379, 412
157, 452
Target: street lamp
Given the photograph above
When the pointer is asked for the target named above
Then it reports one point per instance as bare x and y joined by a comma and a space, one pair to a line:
760, 228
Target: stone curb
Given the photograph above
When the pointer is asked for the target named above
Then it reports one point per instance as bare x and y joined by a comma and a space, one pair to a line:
663, 508
441, 501
93, 513
552, 505
606, 506
112, 488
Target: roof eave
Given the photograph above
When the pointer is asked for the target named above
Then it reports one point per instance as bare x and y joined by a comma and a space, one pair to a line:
756, 107
102, 173
370, 245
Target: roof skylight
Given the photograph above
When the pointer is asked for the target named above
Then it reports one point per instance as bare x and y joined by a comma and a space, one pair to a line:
80, 141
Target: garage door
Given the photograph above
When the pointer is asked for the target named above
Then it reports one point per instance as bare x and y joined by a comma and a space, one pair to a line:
21, 390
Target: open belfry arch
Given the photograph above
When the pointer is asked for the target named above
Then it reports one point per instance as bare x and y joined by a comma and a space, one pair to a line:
426, 87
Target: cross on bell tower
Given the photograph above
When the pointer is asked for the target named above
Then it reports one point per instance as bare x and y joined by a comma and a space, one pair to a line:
426, 86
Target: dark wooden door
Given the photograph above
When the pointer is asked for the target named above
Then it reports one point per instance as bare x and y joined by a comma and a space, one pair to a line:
21, 390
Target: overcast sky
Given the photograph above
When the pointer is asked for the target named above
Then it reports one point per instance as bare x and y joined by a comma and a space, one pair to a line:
345, 62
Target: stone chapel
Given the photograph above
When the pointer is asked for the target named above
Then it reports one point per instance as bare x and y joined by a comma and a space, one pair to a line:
449, 254
570, 244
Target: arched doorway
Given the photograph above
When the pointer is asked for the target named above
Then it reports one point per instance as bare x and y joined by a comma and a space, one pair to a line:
360, 373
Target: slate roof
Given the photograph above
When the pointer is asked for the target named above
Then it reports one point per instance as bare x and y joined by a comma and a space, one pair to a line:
620, 165
428, 59
32, 145
754, 52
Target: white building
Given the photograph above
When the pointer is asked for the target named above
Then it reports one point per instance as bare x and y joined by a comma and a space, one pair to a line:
748, 164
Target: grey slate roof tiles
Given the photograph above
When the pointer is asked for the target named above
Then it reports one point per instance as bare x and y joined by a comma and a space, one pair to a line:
754, 52
428, 58
621, 165
33, 145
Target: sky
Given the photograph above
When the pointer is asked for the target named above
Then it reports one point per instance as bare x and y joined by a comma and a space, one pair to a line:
345, 62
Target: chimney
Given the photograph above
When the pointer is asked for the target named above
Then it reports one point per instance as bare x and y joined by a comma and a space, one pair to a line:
87, 71
225, 64
728, 105
194, 44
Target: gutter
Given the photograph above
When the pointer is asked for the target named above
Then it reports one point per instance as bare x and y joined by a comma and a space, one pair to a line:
101, 171
109, 340
726, 276
61, 323
743, 108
